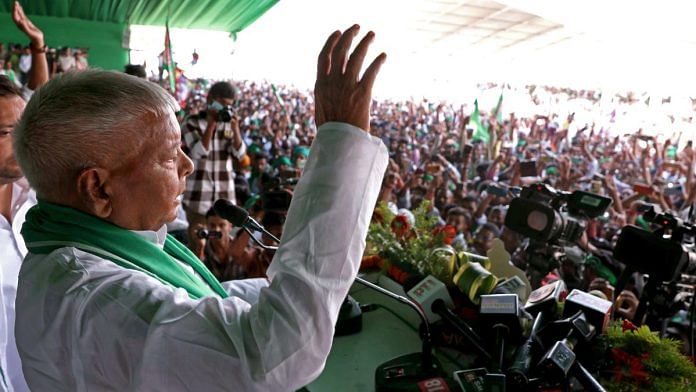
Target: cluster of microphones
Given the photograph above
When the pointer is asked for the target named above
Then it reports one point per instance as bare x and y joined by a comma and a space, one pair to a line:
534, 346
538, 345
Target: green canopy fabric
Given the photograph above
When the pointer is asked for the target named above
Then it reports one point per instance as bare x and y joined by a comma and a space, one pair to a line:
99, 25
224, 15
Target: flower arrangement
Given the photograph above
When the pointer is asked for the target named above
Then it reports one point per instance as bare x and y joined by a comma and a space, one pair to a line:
402, 245
639, 360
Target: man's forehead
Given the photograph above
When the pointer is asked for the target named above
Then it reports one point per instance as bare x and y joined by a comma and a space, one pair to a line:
11, 108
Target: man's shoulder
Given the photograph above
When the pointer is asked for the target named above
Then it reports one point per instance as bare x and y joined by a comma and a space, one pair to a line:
195, 121
72, 272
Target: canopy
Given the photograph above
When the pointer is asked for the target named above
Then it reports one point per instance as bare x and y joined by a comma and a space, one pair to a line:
100, 25
226, 15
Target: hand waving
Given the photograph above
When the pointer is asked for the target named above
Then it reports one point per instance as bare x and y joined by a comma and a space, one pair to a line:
340, 93
23, 23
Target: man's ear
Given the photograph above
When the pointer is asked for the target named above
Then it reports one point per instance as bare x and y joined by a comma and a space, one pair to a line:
93, 191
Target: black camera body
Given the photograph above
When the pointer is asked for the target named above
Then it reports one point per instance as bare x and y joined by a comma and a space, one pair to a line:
203, 233
546, 215
665, 253
226, 113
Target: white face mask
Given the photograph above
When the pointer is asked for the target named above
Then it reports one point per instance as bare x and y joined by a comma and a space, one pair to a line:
300, 163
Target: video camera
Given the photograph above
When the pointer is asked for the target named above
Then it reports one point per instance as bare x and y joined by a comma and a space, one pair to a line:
545, 214
665, 253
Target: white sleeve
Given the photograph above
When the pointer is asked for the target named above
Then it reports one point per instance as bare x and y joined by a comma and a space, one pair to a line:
125, 328
246, 289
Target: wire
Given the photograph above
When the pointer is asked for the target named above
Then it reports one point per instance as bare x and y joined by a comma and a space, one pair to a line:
692, 314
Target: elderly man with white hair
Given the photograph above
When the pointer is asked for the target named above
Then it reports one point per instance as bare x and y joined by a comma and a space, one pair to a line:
108, 301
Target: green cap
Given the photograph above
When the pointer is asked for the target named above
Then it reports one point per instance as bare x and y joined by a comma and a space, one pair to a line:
300, 150
281, 161
253, 149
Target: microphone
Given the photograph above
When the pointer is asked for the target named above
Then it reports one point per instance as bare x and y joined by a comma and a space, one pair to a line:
560, 361
501, 312
597, 310
239, 217
433, 299
543, 302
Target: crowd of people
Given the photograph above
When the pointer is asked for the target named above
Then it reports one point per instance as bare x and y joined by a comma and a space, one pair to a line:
16, 64
436, 154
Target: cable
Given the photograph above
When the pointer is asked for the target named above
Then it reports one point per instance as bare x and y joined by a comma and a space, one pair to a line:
692, 313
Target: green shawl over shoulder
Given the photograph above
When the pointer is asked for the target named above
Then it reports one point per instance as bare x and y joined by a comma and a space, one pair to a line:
50, 226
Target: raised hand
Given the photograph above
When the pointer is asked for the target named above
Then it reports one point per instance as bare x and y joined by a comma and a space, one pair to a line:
23, 23
340, 94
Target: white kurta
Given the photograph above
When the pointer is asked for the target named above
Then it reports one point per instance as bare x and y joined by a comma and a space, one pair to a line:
85, 324
12, 251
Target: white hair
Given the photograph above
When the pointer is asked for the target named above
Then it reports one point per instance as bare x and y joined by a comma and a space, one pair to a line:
80, 119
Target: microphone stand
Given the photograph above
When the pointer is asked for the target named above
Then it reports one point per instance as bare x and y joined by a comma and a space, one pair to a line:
259, 243
427, 336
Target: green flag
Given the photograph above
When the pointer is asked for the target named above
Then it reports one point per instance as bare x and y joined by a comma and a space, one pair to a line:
497, 110
480, 132
277, 95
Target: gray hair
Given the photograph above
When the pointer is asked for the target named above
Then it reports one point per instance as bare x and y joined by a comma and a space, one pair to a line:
79, 119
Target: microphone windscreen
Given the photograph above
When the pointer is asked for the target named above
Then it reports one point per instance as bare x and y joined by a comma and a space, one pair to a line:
227, 210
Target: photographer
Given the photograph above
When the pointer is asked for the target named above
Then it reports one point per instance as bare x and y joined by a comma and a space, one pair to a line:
217, 248
211, 139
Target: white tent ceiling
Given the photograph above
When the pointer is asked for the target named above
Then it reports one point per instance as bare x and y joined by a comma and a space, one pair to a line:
446, 46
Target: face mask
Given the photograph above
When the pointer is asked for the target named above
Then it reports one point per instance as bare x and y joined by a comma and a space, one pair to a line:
217, 106
301, 163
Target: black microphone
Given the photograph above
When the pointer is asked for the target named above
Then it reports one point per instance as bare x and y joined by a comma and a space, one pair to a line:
239, 217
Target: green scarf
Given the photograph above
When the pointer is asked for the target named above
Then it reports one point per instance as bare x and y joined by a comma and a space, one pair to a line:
50, 226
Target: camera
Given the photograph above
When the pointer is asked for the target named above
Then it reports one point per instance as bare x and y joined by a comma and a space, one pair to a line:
665, 253
203, 233
226, 113
545, 214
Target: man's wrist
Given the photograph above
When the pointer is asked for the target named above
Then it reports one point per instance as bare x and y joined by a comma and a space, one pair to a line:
37, 47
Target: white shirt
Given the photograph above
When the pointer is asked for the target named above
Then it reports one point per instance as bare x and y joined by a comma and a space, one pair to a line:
85, 324
12, 251
66, 63
25, 63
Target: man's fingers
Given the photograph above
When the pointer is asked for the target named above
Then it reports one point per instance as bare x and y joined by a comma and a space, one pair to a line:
338, 55
324, 62
16, 9
358, 56
368, 79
